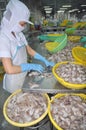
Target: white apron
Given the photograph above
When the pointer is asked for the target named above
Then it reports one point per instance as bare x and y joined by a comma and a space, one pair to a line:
12, 82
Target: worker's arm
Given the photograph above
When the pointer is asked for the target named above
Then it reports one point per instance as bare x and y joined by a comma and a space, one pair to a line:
30, 51
9, 67
14, 69
38, 56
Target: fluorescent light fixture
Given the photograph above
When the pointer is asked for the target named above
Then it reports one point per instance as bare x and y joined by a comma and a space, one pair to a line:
83, 10
63, 8
46, 6
73, 10
83, 5
48, 9
60, 11
70, 11
79, 11
66, 6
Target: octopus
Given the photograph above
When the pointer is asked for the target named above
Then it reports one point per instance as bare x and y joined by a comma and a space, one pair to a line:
26, 107
69, 112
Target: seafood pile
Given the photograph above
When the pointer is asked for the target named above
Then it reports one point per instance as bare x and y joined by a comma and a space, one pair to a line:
36, 78
69, 112
72, 73
45, 74
64, 55
26, 107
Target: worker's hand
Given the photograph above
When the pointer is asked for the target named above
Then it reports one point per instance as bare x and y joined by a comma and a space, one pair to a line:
43, 59
28, 67
48, 63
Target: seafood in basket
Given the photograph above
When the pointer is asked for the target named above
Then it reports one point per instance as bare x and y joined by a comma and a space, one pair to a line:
65, 54
68, 112
26, 108
70, 74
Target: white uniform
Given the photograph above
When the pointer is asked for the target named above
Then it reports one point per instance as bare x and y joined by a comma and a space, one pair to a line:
15, 49
12, 47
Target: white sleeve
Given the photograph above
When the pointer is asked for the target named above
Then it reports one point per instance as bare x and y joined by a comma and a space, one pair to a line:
4, 47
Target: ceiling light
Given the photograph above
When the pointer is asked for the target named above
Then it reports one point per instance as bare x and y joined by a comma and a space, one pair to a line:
83, 10
66, 6
60, 11
63, 8
83, 5
73, 10
79, 11
48, 9
70, 11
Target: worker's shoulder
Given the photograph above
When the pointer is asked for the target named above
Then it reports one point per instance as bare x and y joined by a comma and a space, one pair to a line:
4, 38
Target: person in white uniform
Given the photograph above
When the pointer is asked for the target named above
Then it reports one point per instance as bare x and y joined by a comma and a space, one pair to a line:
14, 47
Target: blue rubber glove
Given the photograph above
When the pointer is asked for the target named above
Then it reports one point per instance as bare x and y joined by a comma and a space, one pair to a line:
28, 67
43, 59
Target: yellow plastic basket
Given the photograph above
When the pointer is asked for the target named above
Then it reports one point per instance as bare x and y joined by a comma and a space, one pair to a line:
83, 96
79, 53
24, 124
54, 34
64, 83
51, 45
74, 38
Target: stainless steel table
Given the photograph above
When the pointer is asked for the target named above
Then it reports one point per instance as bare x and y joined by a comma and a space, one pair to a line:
49, 85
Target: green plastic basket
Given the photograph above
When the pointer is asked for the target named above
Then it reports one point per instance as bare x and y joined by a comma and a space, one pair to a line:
62, 40
70, 30
83, 39
48, 37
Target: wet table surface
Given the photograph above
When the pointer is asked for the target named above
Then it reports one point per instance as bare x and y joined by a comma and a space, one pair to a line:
48, 85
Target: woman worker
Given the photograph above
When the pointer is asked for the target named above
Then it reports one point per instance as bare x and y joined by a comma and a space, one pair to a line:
14, 47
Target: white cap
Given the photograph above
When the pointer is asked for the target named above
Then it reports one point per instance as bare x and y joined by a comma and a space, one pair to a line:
19, 10
16, 11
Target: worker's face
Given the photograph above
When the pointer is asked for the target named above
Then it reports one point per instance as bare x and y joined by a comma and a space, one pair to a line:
22, 23
19, 27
